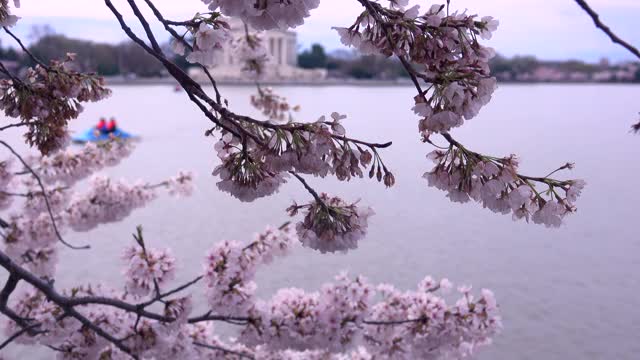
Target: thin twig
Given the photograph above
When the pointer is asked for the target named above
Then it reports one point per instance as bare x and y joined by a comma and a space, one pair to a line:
226, 351
169, 293
25, 49
310, 190
18, 125
18, 334
177, 36
140, 240
600, 25
46, 199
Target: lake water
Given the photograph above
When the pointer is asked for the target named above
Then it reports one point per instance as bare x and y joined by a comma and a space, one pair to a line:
570, 293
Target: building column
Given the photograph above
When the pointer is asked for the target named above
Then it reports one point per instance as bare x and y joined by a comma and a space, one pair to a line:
279, 50
285, 55
272, 46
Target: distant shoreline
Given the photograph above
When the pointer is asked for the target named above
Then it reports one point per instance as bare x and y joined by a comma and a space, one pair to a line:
331, 82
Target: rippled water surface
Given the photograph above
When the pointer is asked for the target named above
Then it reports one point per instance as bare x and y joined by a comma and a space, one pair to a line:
565, 294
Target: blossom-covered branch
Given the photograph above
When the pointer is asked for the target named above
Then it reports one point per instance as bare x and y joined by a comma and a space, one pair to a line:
43, 194
441, 51
247, 171
497, 185
268, 328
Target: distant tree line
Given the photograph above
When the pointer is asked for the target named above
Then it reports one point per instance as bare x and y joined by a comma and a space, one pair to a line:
105, 59
9, 54
377, 67
351, 65
129, 59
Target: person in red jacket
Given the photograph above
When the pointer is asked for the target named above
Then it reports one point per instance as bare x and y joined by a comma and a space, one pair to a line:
102, 125
112, 126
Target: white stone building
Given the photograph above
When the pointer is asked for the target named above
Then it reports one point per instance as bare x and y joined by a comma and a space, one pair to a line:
282, 46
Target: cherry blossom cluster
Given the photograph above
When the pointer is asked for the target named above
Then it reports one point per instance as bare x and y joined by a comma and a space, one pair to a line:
107, 201
6, 18
344, 320
406, 325
359, 353
147, 268
47, 99
272, 105
68, 167
428, 327
250, 51
57, 329
230, 269
181, 185
245, 176
6, 178
251, 170
294, 319
445, 52
496, 184
331, 225
210, 34
266, 14
41, 217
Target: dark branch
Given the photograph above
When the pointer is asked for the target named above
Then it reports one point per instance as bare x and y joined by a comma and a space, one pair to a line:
18, 125
310, 190
18, 333
24, 48
177, 36
600, 25
226, 351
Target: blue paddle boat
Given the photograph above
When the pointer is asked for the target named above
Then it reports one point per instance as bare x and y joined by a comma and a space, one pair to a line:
95, 135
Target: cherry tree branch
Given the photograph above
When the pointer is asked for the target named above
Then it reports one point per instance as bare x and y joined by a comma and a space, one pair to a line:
18, 273
310, 190
5, 71
20, 124
223, 118
226, 351
25, 49
194, 90
374, 12
173, 33
600, 25
46, 198
17, 334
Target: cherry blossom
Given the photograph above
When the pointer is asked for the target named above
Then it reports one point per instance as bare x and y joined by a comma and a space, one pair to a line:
446, 52
230, 268
331, 225
67, 166
47, 99
147, 268
251, 52
6, 18
6, 178
496, 184
209, 40
272, 105
268, 14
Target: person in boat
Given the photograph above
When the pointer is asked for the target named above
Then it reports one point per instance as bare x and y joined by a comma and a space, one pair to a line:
112, 127
102, 126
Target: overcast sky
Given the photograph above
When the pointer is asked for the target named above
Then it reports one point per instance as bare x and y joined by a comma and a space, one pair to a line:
549, 29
